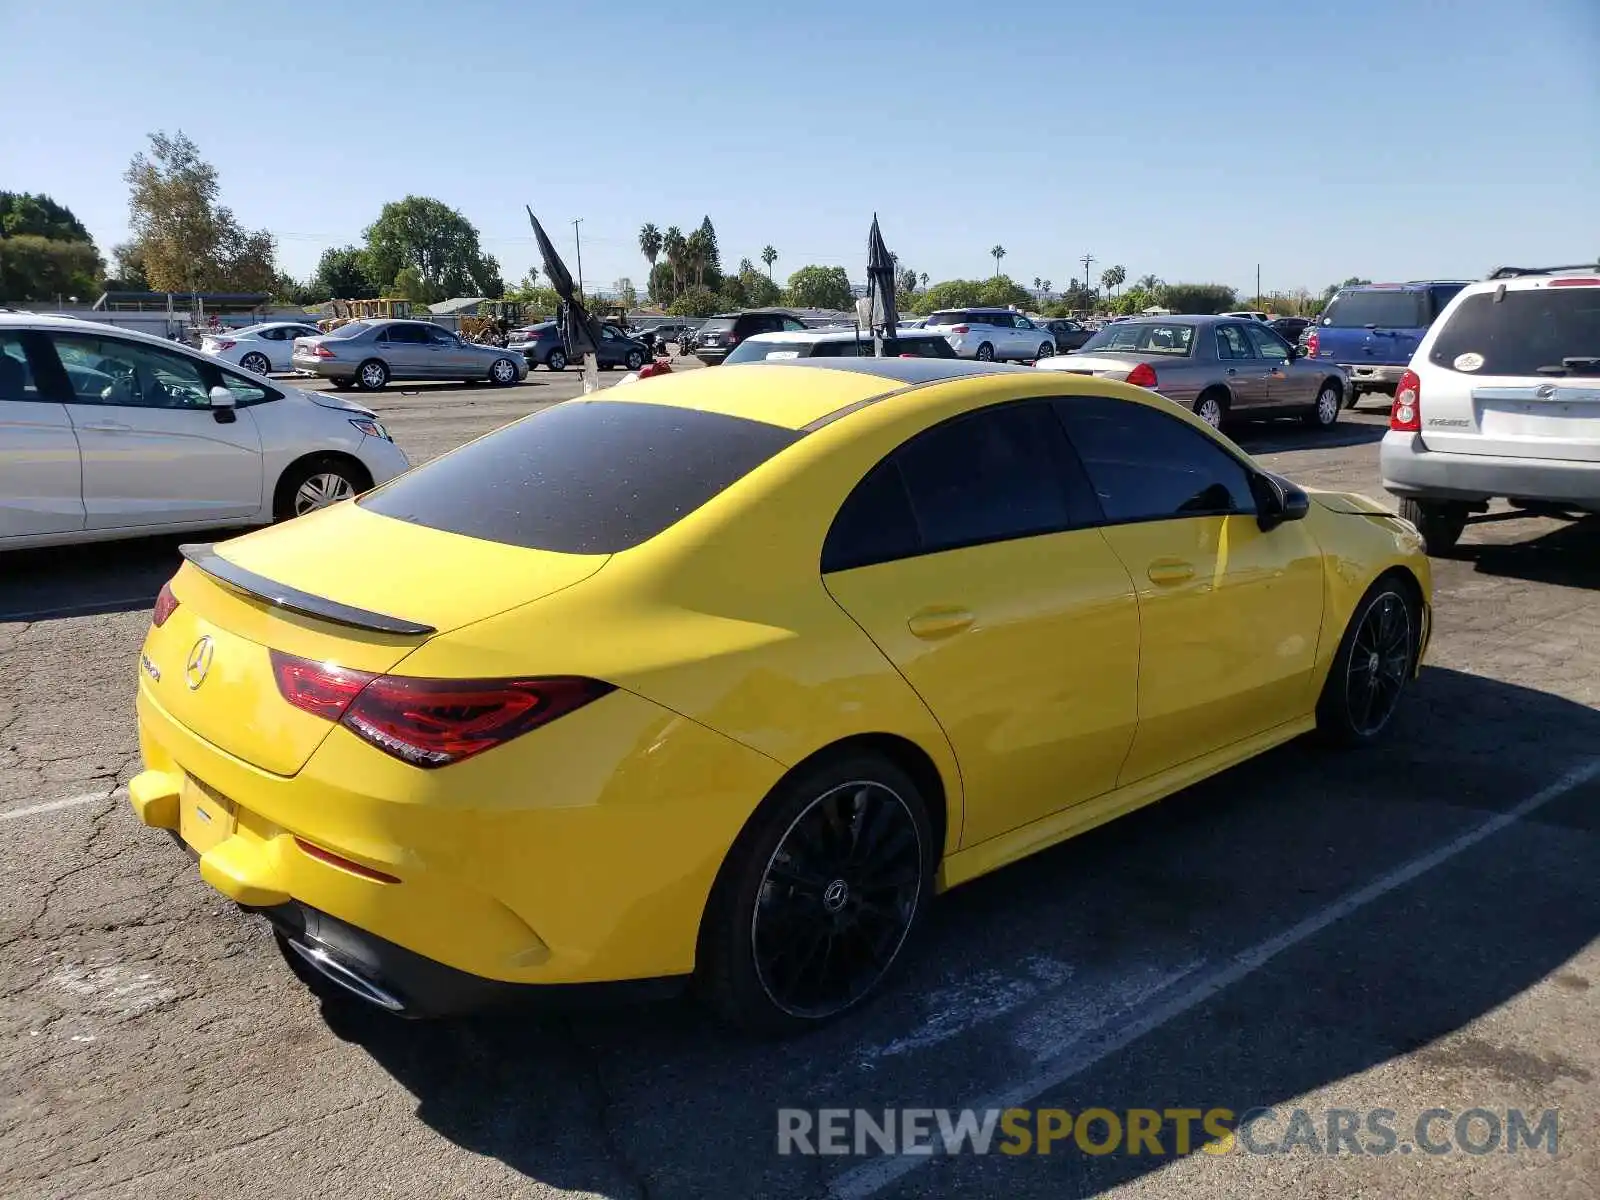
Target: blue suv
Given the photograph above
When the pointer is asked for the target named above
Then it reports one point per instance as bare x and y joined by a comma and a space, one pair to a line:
1372, 330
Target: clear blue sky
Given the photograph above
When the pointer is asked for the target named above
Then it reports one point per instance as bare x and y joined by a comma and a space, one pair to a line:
1385, 138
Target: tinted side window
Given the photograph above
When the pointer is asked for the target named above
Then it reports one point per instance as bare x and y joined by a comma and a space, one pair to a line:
404, 335
1442, 296
1268, 345
789, 323
1146, 465
1231, 343
875, 524
16, 373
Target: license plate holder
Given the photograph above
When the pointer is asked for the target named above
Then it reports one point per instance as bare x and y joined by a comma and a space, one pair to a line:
205, 817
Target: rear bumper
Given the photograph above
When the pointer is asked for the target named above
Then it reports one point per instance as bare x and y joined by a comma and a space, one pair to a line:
710, 355
1409, 468
1385, 375
322, 368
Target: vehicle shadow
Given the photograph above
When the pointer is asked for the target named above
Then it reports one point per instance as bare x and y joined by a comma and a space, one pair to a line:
1568, 556
1272, 437
659, 1101
98, 577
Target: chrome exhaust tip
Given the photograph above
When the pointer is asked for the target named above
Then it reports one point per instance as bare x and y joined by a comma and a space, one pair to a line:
330, 968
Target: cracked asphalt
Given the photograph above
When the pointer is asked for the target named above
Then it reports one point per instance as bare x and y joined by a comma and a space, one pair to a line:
1266, 939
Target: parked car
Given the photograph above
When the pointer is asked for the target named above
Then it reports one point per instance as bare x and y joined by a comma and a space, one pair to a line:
838, 343
106, 433
368, 354
719, 335
259, 348
1290, 328
992, 334
1500, 401
1218, 367
1373, 329
753, 662
1068, 335
1248, 314
541, 345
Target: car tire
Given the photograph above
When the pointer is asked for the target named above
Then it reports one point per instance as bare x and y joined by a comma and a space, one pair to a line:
1374, 663
256, 363
317, 482
1046, 350
1441, 522
1211, 406
785, 880
1325, 412
372, 375
634, 361
341, 385
502, 372
556, 360
985, 353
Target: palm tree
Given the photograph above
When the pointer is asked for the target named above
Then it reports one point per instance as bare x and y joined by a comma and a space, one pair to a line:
1037, 284
650, 243
997, 253
1147, 283
1044, 286
1112, 278
672, 244
697, 253
769, 256
924, 278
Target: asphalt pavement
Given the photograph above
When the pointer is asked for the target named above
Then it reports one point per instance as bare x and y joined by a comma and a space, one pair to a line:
1410, 927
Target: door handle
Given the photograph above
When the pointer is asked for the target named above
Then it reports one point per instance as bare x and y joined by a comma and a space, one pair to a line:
933, 623
108, 427
1165, 572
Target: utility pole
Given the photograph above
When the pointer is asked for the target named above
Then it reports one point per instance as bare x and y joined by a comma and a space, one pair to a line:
1086, 260
1258, 285
579, 240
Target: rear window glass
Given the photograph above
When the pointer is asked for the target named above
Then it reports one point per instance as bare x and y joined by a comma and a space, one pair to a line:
717, 324
948, 318
1161, 338
354, 329
1526, 331
585, 477
922, 347
757, 349
1385, 310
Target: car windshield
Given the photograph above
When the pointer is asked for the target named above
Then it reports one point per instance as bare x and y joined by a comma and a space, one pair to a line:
1529, 332
584, 477
1383, 309
354, 329
758, 349
1154, 338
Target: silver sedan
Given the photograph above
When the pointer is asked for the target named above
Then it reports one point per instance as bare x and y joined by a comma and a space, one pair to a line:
368, 354
1219, 367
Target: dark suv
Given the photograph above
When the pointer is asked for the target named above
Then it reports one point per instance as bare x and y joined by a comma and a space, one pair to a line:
719, 335
1373, 329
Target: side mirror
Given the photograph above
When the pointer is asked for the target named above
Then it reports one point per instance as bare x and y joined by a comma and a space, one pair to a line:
1296, 352
1277, 501
223, 404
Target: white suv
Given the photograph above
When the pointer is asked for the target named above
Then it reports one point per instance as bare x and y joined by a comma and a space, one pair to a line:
1501, 400
992, 334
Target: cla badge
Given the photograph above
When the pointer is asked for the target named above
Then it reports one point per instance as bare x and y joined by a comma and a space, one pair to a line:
199, 662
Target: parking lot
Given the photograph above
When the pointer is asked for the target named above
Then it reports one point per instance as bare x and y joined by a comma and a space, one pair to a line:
1407, 927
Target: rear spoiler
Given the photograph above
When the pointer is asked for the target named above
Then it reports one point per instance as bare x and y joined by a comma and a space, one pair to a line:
204, 557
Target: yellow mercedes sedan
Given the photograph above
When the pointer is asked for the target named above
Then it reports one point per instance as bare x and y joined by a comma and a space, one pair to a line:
722, 675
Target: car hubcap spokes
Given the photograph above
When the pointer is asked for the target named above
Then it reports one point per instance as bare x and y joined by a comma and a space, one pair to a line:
503, 370
372, 376
837, 900
1211, 414
320, 491
1328, 407
1379, 659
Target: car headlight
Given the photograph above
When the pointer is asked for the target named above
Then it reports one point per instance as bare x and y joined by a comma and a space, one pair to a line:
371, 428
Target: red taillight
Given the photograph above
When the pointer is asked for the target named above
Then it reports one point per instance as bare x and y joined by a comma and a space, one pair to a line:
1406, 415
1576, 281
1143, 375
344, 864
1313, 344
959, 329
322, 351
166, 605
430, 722
321, 689
226, 344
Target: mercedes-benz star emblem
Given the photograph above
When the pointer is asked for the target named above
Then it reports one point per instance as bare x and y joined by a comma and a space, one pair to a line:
194, 672
835, 894
1545, 391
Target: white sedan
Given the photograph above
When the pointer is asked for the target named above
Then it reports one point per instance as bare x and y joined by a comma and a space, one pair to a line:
106, 433
260, 348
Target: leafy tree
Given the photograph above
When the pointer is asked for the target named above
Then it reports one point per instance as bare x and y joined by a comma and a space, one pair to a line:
698, 301
905, 282
997, 253
40, 268
1147, 283
708, 244
820, 287
23, 214
286, 289
1001, 291
437, 243
538, 301
650, 243
1198, 297
408, 284
673, 245
127, 264
187, 239
1113, 277
769, 256
1046, 286
627, 294
924, 278
699, 252
1332, 289
342, 274
749, 289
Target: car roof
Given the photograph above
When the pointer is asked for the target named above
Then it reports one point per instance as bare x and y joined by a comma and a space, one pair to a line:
809, 336
80, 324
796, 393
1525, 283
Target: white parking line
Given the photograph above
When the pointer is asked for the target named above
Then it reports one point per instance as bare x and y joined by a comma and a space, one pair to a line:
1077, 1054
56, 805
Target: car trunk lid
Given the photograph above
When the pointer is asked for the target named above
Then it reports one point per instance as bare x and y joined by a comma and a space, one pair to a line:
343, 586
1109, 365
